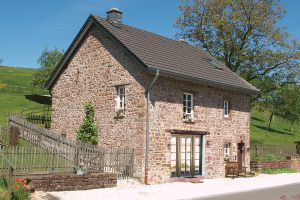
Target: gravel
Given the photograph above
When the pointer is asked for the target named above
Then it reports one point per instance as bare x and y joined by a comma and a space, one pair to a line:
133, 190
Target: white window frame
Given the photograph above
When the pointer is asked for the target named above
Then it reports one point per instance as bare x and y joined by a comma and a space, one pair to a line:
121, 97
226, 108
227, 152
185, 104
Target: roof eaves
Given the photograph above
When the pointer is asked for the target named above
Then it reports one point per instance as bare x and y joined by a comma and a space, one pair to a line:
92, 19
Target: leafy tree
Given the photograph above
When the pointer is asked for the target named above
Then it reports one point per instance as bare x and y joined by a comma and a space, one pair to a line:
245, 36
272, 101
47, 61
289, 108
284, 102
88, 131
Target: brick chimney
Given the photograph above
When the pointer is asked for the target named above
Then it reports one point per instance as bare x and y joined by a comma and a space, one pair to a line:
114, 16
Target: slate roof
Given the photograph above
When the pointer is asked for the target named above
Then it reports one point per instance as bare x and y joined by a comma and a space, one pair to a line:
174, 57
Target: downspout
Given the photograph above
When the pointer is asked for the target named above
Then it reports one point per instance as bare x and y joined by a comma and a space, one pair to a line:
148, 126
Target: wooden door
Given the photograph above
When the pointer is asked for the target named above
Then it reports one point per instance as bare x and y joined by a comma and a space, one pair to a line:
241, 154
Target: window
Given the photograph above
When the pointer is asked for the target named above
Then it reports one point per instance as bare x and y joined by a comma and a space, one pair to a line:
215, 64
227, 151
226, 108
121, 97
188, 104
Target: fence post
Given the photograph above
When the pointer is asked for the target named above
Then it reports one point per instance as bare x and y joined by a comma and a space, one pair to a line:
52, 161
9, 182
255, 147
77, 156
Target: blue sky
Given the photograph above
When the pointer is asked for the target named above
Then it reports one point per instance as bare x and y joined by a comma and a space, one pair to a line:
27, 27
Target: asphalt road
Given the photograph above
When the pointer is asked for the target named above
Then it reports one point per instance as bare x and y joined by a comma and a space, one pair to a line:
286, 192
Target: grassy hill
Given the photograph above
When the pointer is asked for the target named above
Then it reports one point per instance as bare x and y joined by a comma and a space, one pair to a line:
279, 133
14, 84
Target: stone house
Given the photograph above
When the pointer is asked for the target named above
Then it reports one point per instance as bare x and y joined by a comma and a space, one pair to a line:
182, 111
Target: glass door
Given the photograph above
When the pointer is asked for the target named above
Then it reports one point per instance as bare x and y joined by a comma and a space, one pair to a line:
186, 155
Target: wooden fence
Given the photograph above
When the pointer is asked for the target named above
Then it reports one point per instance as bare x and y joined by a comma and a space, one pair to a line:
37, 160
278, 150
4, 136
52, 153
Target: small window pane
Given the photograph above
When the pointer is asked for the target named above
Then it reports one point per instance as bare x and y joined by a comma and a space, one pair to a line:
226, 108
121, 97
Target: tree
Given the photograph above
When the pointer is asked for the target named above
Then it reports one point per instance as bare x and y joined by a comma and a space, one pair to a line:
88, 131
284, 102
47, 61
289, 108
245, 36
272, 101
1, 60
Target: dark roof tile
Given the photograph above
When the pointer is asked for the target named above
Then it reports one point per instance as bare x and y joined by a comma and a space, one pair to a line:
174, 56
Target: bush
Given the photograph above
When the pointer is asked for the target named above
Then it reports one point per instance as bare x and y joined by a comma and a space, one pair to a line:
20, 190
278, 171
88, 131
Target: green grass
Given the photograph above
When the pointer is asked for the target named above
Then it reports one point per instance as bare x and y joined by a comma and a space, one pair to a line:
278, 134
14, 84
278, 171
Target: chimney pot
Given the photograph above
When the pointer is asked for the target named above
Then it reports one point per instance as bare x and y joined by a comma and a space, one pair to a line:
114, 16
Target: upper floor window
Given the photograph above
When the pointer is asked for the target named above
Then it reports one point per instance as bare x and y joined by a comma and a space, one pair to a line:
188, 104
121, 97
226, 108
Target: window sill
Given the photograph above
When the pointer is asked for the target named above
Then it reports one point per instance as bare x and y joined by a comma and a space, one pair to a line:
188, 122
119, 116
227, 118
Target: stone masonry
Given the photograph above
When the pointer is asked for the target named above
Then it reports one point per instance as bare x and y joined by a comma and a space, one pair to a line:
71, 182
100, 65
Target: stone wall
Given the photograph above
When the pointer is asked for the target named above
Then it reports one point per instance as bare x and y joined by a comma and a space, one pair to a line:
295, 163
167, 113
275, 164
70, 182
99, 65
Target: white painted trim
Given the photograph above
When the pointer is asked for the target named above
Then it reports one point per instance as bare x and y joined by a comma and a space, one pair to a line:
192, 104
203, 156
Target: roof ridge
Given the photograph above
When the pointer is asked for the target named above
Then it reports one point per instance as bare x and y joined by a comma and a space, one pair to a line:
149, 32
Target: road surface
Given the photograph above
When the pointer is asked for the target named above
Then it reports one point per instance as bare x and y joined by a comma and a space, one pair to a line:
285, 192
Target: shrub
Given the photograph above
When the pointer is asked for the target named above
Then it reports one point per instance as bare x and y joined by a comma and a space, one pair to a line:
88, 131
20, 190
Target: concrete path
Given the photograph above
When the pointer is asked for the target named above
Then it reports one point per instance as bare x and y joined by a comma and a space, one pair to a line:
132, 191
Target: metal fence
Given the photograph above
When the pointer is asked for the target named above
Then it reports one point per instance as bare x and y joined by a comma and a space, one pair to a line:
38, 116
277, 149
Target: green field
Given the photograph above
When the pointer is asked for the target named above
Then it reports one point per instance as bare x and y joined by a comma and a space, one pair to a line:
14, 84
279, 132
